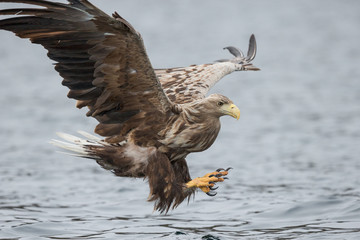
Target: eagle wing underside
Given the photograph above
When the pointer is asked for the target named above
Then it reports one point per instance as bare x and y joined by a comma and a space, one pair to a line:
102, 60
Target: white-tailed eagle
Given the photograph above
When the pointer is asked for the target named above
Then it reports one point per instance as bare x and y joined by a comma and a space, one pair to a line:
151, 118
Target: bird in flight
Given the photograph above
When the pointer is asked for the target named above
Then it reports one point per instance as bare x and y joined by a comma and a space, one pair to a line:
150, 119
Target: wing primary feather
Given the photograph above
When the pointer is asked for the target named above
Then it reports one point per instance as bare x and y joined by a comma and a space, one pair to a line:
252, 48
235, 51
36, 2
24, 11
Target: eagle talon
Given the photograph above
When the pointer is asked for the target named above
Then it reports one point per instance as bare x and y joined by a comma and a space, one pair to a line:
211, 194
208, 181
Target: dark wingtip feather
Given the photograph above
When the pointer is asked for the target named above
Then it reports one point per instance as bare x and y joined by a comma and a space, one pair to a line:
24, 11
42, 3
235, 51
252, 48
87, 94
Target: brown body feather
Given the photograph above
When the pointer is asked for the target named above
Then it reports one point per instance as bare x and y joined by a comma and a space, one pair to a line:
149, 126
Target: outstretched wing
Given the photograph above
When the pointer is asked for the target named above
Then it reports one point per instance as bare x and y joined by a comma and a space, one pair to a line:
187, 84
102, 60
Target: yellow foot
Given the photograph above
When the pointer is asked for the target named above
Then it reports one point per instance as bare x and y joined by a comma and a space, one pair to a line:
207, 182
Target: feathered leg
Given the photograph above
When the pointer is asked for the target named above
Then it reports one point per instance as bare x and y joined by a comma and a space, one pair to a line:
167, 182
182, 174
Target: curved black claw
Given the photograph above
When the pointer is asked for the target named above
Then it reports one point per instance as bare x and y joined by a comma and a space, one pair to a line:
211, 193
222, 169
213, 188
225, 178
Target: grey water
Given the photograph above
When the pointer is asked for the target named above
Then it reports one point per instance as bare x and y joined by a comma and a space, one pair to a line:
295, 150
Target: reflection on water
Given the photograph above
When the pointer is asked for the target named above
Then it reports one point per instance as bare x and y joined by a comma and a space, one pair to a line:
294, 151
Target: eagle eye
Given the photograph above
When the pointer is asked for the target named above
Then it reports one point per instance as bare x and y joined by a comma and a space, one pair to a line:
220, 103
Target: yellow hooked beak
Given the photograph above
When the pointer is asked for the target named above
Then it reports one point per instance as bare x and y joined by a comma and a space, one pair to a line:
231, 110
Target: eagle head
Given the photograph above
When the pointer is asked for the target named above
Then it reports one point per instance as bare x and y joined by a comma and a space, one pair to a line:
222, 106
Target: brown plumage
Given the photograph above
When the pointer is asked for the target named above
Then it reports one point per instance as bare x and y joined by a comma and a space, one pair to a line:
151, 119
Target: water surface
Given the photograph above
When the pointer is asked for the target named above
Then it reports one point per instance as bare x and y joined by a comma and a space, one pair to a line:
295, 151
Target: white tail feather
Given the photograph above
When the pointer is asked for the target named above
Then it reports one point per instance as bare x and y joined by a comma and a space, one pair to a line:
79, 149
90, 136
78, 146
74, 154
